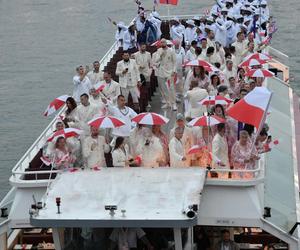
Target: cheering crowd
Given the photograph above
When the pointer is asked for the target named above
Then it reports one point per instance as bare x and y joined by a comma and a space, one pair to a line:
206, 58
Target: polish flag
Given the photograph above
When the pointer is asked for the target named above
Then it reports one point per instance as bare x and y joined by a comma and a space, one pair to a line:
99, 87
172, 2
56, 104
252, 108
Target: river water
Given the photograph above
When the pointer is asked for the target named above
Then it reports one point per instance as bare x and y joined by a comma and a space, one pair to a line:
41, 43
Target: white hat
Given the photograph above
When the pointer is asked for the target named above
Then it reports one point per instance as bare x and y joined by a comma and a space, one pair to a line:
238, 16
196, 18
243, 7
228, 24
249, 9
155, 14
210, 19
247, 19
224, 9
230, 15
121, 25
190, 22
176, 19
263, 2
220, 21
229, 1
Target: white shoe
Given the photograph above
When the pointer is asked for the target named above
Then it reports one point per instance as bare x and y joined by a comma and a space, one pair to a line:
174, 107
165, 106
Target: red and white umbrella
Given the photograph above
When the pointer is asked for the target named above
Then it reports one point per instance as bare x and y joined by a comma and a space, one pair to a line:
259, 56
195, 149
213, 100
56, 104
66, 133
252, 62
106, 122
150, 118
196, 63
206, 121
158, 43
259, 73
99, 86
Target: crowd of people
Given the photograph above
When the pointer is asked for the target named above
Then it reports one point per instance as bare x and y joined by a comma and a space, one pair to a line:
233, 31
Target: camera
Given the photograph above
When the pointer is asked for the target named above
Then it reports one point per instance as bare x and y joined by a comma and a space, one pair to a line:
147, 142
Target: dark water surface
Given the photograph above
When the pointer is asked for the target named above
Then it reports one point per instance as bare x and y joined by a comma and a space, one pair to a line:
42, 41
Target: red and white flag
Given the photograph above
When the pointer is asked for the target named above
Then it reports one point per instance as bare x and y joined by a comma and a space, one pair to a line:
46, 160
99, 87
55, 104
252, 108
172, 2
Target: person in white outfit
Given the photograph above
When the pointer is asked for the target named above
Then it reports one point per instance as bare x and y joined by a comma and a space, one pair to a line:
130, 38
165, 62
190, 32
122, 112
93, 149
194, 96
82, 83
177, 30
176, 148
84, 113
111, 89
151, 151
96, 74
143, 61
129, 78
180, 55
120, 154
220, 151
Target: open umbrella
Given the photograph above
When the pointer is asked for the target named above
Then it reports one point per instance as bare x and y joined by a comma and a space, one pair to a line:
259, 73
252, 62
259, 56
213, 100
150, 118
196, 63
206, 121
106, 122
56, 104
66, 133
158, 43
195, 149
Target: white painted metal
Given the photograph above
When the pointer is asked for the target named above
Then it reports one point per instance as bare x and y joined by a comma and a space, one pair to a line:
159, 194
56, 239
177, 238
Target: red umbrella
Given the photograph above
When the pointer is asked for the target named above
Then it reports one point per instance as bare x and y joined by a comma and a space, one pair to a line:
106, 122
195, 149
150, 118
206, 121
66, 133
213, 100
259, 73
259, 56
252, 62
56, 104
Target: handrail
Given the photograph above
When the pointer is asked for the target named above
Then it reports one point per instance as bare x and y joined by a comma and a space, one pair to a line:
33, 149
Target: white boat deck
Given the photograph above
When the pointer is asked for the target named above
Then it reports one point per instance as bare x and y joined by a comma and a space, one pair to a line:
151, 197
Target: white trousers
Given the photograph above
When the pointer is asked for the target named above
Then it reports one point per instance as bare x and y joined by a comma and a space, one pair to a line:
133, 91
168, 93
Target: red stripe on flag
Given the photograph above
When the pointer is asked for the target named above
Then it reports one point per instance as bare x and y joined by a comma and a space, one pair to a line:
173, 2
246, 113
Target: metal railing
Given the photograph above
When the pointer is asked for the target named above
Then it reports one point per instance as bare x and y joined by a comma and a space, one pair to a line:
19, 169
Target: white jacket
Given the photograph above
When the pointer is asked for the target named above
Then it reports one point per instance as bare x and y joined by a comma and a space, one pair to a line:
176, 149
165, 61
220, 151
120, 156
111, 90
131, 77
143, 60
194, 96
93, 150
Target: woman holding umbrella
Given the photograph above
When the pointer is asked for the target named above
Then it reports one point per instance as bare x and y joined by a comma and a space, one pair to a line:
62, 157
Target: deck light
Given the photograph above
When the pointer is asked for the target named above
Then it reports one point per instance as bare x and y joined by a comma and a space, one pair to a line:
58, 201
